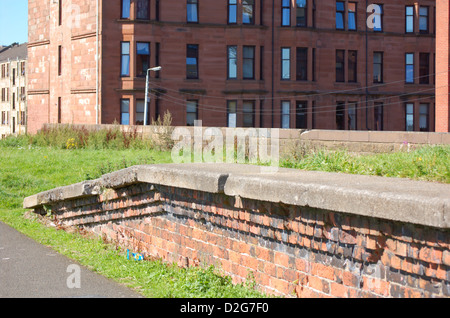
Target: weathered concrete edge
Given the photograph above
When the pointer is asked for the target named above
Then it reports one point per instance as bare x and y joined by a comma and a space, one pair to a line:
168, 175
393, 203
434, 212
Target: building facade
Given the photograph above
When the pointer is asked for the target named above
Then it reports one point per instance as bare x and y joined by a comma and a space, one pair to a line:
304, 64
443, 65
13, 82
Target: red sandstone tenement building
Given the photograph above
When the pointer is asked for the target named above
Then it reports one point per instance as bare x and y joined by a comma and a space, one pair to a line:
443, 66
246, 63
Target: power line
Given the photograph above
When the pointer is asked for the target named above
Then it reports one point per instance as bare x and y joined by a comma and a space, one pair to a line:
307, 95
220, 109
217, 110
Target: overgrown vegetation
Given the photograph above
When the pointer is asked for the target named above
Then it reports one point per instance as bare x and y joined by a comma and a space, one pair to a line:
113, 137
428, 163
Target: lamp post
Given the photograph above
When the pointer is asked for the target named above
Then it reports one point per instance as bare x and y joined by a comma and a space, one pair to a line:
155, 69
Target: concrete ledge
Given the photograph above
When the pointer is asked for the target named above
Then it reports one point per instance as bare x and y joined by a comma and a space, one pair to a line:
386, 198
402, 200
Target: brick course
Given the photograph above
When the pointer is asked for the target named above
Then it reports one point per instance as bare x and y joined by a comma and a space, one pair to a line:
289, 250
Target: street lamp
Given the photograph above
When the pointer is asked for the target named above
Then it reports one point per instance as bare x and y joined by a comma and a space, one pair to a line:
155, 69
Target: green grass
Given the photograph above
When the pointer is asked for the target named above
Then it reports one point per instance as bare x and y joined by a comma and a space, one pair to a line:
430, 163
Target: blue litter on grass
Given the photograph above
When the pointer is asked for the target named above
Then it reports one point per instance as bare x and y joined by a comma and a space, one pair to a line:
135, 256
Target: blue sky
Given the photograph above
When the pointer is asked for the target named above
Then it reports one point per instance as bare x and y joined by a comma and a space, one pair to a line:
13, 21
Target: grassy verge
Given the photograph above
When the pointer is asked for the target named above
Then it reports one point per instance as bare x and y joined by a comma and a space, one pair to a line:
430, 163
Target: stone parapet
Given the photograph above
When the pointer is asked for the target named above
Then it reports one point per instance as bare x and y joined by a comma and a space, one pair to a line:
309, 234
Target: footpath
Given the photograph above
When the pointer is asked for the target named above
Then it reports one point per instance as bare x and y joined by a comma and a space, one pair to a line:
31, 270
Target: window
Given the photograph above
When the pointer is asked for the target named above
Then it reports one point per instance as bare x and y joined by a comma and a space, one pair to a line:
340, 64
192, 112
157, 9
157, 107
192, 61
59, 110
424, 117
352, 116
313, 64
352, 16
192, 11
157, 62
314, 14
126, 4
248, 112
124, 111
285, 12
232, 62
340, 15
140, 112
285, 114
378, 23
143, 9
5, 94
302, 64
249, 62
423, 20
424, 68
409, 19
248, 11
352, 66
300, 115
60, 10
22, 118
125, 59
409, 110
409, 72
23, 95
232, 11
340, 116
378, 116
378, 67
302, 13
285, 63
22, 68
232, 114
261, 63
59, 60
142, 58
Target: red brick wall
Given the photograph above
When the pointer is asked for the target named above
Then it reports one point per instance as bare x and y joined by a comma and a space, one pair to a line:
443, 66
289, 250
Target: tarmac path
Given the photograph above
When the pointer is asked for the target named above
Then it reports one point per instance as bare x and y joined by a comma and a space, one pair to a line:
31, 270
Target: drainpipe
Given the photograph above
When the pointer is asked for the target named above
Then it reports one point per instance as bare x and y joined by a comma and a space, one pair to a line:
97, 67
367, 79
273, 57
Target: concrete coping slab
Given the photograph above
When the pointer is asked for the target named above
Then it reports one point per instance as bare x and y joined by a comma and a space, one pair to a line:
403, 200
